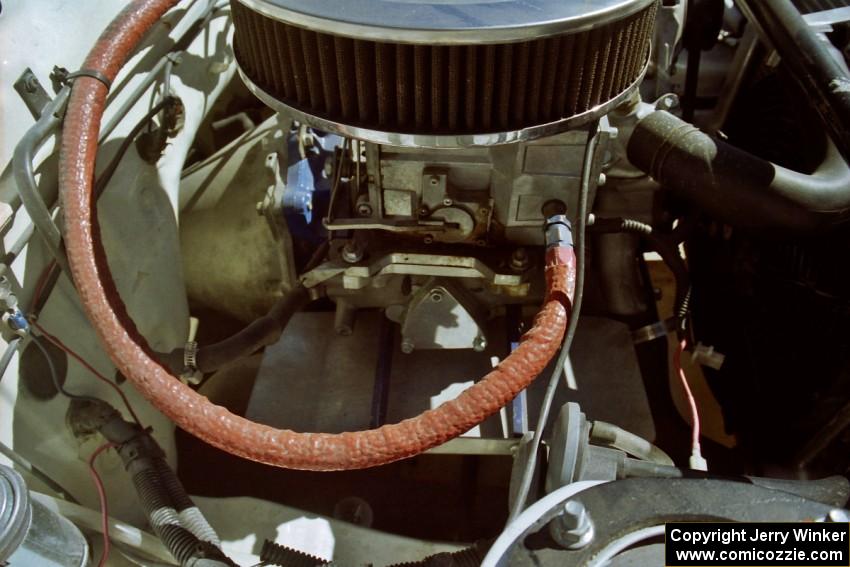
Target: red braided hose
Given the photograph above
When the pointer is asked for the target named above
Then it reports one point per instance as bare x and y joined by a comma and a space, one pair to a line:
195, 413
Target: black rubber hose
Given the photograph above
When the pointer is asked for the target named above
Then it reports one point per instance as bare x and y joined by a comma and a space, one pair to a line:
467, 557
667, 248
155, 500
810, 62
275, 554
262, 332
735, 186
180, 542
283, 556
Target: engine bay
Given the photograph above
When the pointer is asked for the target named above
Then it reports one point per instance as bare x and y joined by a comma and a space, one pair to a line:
419, 282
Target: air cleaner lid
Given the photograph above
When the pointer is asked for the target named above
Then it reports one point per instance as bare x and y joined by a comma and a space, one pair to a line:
447, 22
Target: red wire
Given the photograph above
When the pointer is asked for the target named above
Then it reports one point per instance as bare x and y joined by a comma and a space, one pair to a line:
677, 361
104, 504
42, 281
90, 368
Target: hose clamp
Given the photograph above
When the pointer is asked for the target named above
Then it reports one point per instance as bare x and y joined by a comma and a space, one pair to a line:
64, 77
190, 357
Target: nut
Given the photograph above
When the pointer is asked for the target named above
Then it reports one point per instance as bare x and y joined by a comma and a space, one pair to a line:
352, 252
573, 529
519, 260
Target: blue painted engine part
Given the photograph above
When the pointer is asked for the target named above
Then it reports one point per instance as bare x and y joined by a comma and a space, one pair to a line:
308, 183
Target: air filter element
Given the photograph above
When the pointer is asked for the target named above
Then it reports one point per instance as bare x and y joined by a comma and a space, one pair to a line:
443, 73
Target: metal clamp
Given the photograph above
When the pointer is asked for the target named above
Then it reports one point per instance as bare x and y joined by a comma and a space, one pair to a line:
63, 76
655, 330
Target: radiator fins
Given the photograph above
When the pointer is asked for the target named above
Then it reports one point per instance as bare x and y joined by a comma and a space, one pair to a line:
421, 89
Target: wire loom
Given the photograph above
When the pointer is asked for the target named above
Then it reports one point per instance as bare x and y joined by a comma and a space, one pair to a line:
459, 89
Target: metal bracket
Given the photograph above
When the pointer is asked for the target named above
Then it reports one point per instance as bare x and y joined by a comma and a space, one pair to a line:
400, 263
655, 330
32, 93
823, 21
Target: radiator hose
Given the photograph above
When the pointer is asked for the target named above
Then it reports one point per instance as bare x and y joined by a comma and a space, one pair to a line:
735, 186
195, 413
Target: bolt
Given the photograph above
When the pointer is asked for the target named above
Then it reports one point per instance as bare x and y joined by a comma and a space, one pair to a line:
447, 202
519, 260
352, 252
484, 211
31, 84
428, 239
434, 180
436, 295
572, 529
364, 210
602, 179
424, 211
406, 346
479, 344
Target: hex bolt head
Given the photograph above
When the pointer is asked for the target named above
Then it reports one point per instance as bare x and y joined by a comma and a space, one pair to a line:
406, 346
573, 528
31, 84
436, 295
447, 202
479, 344
352, 252
519, 260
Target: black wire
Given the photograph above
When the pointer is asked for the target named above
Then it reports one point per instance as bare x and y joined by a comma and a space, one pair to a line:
107, 174
554, 379
100, 186
54, 375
